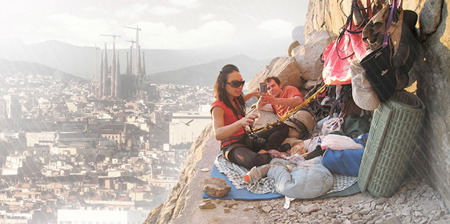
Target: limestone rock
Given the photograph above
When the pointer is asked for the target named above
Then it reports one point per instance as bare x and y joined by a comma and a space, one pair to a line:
207, 200
387, 209
216, 187
308, 208
346, 222
308, 56
391, 220
430, 16
231, 204
355, 216
291, 213
401, 199
207, 205
326, 15
381, 201
285, 68
346, 210
267, 208
442, 221
153, 216
365, 211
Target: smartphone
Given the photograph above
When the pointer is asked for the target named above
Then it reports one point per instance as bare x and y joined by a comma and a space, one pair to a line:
263, 87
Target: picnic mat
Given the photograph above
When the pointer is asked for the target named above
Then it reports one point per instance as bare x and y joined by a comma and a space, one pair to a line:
239, 194
265, 188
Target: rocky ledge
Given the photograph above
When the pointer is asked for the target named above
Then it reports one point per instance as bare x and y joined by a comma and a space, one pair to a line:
415, 201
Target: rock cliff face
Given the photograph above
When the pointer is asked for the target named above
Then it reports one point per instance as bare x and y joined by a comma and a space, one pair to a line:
433, 86
176, 202
433, 74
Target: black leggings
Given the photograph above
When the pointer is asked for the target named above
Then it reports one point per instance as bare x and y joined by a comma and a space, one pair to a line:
274, 136
241, 155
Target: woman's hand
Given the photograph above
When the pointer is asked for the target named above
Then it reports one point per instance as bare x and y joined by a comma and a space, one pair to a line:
248, 120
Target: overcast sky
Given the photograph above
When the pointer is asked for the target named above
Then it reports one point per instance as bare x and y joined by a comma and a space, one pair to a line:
168, 24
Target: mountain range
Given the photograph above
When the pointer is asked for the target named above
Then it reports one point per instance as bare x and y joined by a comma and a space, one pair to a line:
161, 65
12, 67
206, 74
193, 67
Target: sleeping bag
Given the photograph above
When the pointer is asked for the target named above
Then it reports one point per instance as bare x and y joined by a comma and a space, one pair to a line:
307, 180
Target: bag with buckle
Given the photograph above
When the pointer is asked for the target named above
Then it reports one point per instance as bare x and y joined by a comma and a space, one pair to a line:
406, 46
399, 26
301, 124
380, 72
378, 66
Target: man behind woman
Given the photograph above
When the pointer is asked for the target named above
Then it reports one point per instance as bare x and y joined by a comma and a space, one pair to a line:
229, 121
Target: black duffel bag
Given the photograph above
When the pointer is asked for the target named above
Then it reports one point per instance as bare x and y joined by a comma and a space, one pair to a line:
378, 63
390, 34
380, 72
406, 46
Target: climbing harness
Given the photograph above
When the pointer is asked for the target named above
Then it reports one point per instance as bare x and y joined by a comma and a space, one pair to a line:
291, 112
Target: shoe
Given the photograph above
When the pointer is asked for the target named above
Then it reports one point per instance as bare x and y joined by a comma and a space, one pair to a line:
256, 173
284, 148
317, 152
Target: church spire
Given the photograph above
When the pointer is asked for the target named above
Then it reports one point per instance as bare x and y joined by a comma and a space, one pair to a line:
131, 59
128, 65
113, 72
143, 65
86, 126
105, 72
100, 88
116, 78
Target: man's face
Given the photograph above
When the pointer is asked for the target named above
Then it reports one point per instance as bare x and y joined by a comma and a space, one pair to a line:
274, 89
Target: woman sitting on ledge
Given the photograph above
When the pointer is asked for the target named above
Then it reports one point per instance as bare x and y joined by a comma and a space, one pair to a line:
229, 120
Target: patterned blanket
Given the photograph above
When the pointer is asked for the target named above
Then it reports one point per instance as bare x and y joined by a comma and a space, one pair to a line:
235, 174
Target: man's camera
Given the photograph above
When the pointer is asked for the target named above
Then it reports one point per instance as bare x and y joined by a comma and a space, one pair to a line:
255, 142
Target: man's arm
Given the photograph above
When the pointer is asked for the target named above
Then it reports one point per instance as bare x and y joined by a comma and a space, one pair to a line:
290, 102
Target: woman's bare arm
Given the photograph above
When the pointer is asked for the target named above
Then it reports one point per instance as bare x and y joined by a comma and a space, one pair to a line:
221, 131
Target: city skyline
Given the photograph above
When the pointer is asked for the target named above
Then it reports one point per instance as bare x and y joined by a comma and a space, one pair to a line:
76, 154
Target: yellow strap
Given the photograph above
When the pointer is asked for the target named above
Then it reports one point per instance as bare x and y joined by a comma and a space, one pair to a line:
294, 110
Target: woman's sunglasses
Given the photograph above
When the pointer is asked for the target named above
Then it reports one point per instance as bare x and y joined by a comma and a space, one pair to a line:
236, 84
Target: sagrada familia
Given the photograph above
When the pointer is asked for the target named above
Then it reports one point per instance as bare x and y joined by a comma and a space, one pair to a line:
114, 85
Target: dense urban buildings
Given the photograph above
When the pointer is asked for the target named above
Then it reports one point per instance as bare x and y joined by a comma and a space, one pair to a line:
66, 152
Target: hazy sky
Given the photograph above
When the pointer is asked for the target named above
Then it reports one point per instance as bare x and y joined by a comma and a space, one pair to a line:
168, 24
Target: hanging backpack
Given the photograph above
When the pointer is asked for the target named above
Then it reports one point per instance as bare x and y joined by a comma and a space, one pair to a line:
378, 66
347, 47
